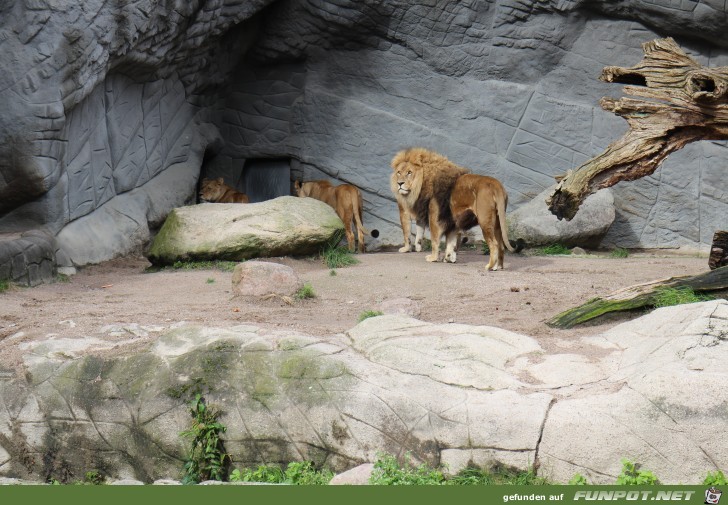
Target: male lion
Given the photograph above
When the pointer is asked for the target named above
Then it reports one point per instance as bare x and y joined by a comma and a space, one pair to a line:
216, 191
481, 200
346, 201
422, 181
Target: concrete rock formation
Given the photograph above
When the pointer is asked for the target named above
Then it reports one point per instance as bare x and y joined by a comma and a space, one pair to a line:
112, 111
284, 226
535, 225
651, 390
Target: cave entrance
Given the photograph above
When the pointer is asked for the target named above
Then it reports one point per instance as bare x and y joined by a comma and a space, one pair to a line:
264, 179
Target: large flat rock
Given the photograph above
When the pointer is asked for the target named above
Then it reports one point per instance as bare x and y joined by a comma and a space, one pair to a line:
284, 226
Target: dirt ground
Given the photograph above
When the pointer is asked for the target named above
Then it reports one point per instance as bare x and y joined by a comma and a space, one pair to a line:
529, 291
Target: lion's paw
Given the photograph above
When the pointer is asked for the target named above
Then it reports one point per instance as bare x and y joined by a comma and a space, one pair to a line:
405, 249
451, 257
432, 257
418, 247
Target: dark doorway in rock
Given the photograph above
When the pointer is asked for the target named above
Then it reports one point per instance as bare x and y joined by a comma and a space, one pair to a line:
264, 179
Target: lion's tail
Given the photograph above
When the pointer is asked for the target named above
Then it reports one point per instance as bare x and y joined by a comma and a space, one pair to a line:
358, 218
502, 203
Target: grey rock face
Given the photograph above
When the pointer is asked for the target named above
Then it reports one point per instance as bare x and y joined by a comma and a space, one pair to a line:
651, 390
284, 226
535, 225
111, 110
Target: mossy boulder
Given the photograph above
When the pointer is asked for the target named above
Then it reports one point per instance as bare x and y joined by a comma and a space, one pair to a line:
284, 226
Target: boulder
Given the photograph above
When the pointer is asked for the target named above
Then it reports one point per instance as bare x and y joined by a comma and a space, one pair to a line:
536, 225
284, 226
261, 278
651, 390
357, 476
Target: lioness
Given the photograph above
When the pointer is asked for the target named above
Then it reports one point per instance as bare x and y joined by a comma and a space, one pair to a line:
422, 181
346, 201
481, 200
216, 191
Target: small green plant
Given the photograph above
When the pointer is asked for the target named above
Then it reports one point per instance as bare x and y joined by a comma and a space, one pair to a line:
578, 480
93, 477
619, 252
305, 292
210, 280
296, 473
369, 313
632, 475
426, 244
497, 475
338, 257
207, 459
388, 472
667, 297
332, 273
4, 285
62, 278
485, 248
715, 479
552, 250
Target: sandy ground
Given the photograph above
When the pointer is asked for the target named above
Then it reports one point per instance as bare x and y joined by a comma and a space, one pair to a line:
529, 291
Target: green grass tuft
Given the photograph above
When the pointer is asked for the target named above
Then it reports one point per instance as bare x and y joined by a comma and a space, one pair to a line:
305, 292
619, 252
224, 266
338, 257
369, 313
717, 478
4, 285
552, 250
332, 273
210, 280
667, 297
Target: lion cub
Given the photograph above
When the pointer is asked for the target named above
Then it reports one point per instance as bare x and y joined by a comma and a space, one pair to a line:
216, 191
346, 201
481, 200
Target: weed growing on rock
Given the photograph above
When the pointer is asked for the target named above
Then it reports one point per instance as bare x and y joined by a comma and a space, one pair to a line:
619, 252
632, 475
369, 313
207, 459
388, 472
716, 479
4, 285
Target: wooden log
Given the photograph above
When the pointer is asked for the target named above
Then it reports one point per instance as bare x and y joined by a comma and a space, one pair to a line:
640, 295
719, 250
679, 101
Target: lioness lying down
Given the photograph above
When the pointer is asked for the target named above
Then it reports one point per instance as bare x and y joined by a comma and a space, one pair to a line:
216, 191
346, 201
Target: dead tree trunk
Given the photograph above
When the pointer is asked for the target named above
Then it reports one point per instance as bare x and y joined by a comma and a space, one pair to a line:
719, 250
682, 102
641, 295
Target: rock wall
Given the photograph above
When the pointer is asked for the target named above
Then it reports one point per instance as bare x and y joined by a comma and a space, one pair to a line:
110, 111
653, 388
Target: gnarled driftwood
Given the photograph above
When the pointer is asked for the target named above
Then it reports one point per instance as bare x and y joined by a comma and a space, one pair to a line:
680, 101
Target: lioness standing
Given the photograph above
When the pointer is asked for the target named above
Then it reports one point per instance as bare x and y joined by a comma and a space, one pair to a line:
422, 181
346, 201
481, 200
